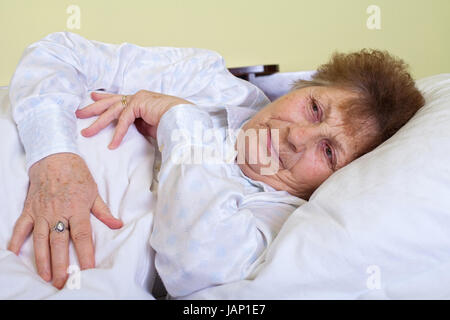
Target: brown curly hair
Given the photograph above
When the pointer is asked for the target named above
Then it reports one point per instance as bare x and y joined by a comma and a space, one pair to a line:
384, 88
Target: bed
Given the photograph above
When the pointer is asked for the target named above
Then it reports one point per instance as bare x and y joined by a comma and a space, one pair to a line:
376, 229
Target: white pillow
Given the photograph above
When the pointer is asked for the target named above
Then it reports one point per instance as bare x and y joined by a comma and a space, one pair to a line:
278, 84
378, 228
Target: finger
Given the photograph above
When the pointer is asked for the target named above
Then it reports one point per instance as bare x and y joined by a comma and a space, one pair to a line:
81, 234
59, 249
101, 211
126, 119
102, 95
41, 248
104, 120
22, 229
96, 108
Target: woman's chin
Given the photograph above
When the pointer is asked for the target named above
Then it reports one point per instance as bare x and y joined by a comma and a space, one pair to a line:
256, 172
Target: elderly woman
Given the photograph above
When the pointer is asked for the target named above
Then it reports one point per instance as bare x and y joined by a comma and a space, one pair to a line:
213, 219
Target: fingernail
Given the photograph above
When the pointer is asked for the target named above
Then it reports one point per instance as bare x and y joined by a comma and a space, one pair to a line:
45, 275
58, 285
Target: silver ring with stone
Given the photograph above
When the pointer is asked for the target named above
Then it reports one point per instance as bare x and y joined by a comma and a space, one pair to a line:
60, 227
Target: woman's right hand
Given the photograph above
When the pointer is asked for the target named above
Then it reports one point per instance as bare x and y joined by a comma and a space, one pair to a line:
61, 189
145, 105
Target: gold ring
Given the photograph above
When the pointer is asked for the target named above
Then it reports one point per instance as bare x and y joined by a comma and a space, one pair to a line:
124, 101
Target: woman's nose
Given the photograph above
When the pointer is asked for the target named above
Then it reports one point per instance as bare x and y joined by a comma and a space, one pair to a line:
300, 137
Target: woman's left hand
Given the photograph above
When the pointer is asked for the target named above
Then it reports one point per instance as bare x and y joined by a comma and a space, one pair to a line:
144, 107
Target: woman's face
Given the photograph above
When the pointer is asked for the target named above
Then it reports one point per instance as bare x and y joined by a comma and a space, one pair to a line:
313, 141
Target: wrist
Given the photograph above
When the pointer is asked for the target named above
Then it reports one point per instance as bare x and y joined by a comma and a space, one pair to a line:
53, 159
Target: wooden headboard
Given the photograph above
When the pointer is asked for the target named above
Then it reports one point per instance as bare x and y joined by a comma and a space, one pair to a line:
249, 73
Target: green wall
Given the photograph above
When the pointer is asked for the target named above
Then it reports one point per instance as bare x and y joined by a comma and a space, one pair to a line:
296, 34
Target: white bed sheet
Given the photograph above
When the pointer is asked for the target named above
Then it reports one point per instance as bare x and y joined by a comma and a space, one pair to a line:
124, 259
324, 250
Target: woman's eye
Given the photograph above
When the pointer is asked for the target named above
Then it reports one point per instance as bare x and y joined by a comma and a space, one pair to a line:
329, 152
329, 155
316, 111
315, 108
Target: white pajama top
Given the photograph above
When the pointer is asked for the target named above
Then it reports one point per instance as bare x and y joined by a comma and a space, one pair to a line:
212, 224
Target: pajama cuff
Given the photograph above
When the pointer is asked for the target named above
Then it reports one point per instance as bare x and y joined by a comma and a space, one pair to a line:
51, 129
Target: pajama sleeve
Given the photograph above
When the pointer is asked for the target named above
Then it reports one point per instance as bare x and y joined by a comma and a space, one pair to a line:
202, 236
55, 74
